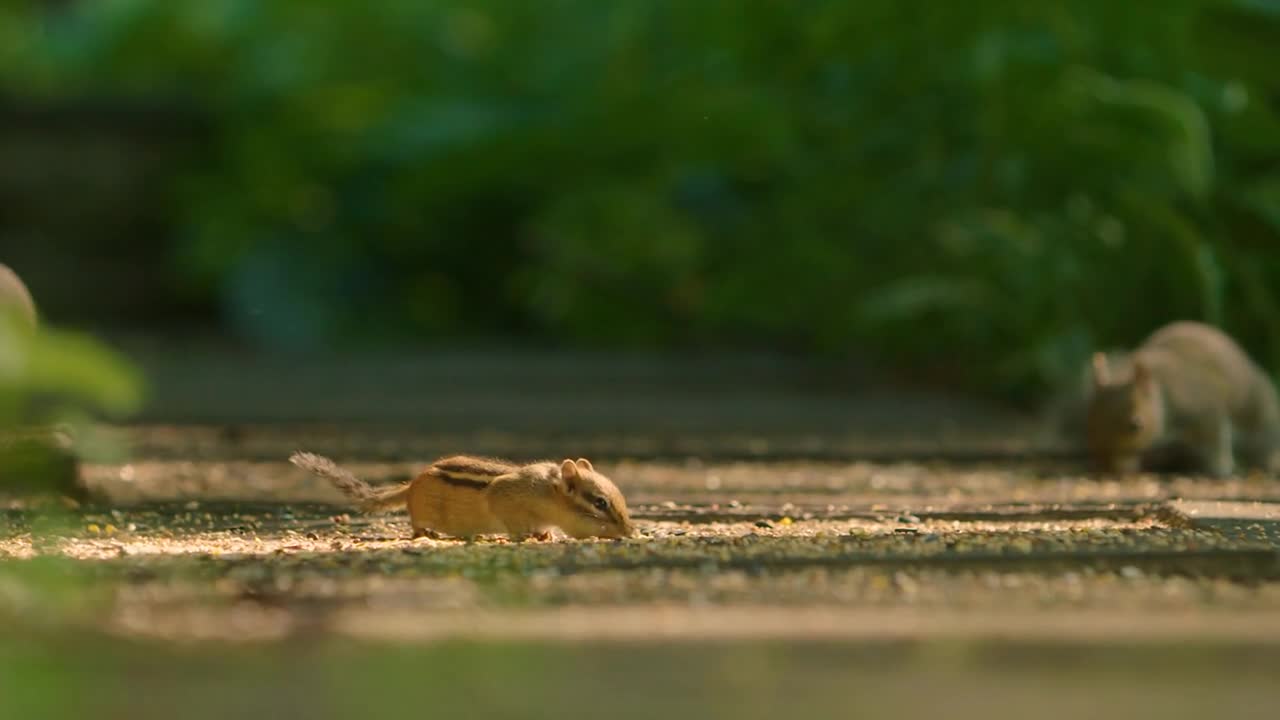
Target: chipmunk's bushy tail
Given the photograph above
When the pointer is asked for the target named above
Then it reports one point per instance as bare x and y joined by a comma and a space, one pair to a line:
364, 495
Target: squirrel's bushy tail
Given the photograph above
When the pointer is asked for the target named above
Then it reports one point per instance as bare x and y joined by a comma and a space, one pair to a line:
364, 495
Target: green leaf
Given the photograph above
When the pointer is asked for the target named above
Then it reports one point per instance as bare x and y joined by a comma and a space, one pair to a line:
72, 367
1173, 116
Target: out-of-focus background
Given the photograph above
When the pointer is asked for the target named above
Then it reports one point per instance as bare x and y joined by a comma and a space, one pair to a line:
814, 282
970, 194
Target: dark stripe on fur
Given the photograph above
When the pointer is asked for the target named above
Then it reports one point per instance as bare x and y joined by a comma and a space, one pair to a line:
466, 465
463, 482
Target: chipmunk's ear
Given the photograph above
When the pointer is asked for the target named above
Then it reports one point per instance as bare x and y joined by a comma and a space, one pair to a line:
584, 464
568, 477
1101, 373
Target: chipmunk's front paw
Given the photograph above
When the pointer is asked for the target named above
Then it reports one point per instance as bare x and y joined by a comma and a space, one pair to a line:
539, 536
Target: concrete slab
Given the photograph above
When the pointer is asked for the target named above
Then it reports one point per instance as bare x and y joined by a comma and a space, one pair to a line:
1259, 521
1226, 510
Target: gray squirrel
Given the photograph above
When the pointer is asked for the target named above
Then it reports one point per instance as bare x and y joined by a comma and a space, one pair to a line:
1187, 392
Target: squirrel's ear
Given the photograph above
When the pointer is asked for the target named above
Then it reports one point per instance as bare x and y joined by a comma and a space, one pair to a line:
585, 464
568, 476
1101, 373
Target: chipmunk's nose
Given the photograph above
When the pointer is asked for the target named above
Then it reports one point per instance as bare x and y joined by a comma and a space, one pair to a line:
622, 530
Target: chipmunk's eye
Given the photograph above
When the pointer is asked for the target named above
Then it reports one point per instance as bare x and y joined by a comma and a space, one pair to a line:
602, 504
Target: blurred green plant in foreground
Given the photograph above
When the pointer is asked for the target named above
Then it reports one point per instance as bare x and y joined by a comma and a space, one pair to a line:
71, 367
52, 378
977, 193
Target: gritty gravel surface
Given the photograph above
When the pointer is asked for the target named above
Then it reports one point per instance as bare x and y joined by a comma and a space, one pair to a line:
841, 548
813, 546
792, 576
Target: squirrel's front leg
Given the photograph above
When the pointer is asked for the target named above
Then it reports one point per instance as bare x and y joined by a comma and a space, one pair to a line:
1216, 447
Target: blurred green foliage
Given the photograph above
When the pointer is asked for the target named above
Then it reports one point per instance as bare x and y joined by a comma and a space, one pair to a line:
81, 672
50, 375
973, 192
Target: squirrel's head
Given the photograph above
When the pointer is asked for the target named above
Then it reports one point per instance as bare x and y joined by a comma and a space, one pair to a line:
598, 505
1126, 414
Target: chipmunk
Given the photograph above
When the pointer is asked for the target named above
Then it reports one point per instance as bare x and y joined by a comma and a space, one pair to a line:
1188, 389
467, 496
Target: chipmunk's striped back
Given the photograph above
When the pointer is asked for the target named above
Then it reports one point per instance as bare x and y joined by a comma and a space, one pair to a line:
473, 472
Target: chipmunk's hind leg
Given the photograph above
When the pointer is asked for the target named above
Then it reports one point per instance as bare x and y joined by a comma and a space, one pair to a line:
421, 532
